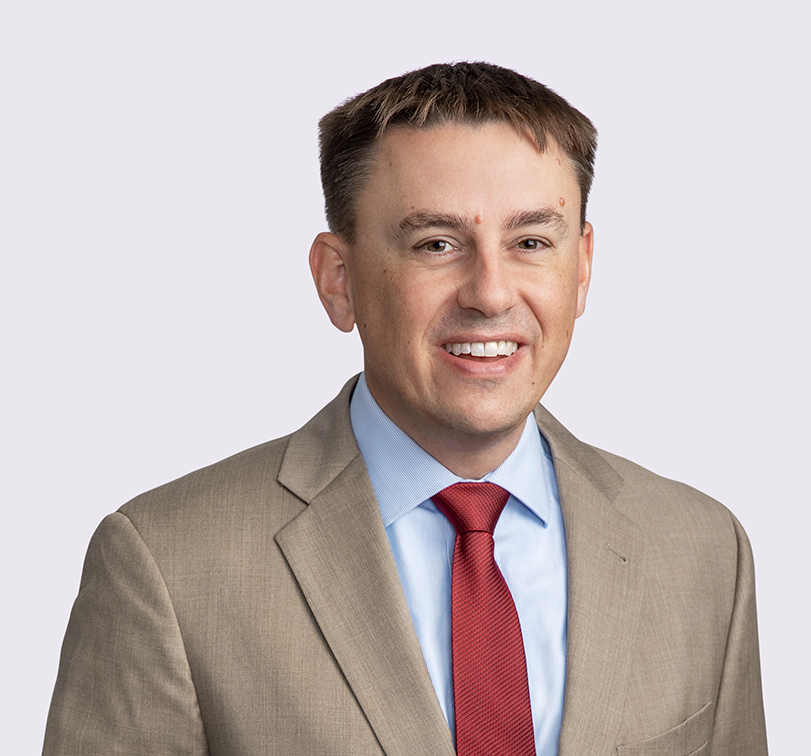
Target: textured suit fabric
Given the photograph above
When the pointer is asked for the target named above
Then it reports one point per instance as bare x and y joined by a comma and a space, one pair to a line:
253, 607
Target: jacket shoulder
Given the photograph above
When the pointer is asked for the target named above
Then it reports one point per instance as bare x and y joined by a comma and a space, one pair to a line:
257, 490
681, 524
243, 483
667, 511
645, 490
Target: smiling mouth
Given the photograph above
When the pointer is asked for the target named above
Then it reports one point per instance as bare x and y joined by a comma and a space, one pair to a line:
482, 348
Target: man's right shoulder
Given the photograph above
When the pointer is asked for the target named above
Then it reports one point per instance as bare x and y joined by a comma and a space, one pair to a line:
269, 483
249, 477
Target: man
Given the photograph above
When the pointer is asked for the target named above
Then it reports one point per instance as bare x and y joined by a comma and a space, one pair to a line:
324, 593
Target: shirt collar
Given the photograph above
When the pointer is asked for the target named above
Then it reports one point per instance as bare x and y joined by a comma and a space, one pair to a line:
404, 475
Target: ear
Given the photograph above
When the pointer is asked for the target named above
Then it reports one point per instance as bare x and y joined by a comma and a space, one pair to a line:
328, 266
586, 251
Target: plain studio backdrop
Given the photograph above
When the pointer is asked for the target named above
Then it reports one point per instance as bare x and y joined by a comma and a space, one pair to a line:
159, 193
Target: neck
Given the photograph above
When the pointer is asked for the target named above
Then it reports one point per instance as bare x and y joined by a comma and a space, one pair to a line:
469, 458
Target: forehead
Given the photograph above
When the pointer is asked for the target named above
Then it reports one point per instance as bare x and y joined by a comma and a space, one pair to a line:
467, 169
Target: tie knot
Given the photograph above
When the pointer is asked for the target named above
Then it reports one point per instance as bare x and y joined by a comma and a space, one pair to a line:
472, 506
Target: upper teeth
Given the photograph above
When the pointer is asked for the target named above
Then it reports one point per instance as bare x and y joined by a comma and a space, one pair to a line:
483, 348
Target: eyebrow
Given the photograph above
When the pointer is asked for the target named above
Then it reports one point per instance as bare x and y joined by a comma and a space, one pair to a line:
420, 220
545, 216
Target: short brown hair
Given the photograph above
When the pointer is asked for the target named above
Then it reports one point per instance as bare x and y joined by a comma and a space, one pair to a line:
471, 93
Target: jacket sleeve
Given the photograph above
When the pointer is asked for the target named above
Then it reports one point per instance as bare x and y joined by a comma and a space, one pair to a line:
124, 684
739, 726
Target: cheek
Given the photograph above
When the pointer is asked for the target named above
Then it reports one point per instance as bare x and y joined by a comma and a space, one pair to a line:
554, 301
383, 306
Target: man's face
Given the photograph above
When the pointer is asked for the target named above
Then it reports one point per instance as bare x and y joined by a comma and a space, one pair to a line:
467, 237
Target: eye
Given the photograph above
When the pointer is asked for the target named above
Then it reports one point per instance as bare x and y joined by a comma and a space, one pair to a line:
532, 245
438, 247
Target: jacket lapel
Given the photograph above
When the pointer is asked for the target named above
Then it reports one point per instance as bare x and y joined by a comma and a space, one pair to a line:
339, 553
605, 573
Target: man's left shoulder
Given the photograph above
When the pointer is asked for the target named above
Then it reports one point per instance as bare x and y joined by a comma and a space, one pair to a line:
680, 524
647, 493
665, 510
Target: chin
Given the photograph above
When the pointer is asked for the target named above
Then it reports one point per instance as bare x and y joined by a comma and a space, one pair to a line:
482, 424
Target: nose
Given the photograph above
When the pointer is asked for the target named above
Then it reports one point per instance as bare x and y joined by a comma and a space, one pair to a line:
488, 284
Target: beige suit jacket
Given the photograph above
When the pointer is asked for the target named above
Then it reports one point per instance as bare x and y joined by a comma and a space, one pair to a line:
254, 607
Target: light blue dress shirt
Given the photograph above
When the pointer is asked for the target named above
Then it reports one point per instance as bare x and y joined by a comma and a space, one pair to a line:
530, 551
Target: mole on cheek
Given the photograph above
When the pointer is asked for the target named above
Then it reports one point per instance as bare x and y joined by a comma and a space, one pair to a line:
478, 219
562, 201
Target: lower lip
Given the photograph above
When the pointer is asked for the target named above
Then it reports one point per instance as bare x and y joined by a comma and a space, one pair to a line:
485, 367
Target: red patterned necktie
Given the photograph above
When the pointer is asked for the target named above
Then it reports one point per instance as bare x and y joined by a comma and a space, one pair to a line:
491, 695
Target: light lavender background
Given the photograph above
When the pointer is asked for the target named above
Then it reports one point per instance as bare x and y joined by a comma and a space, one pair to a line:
159, 193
